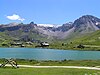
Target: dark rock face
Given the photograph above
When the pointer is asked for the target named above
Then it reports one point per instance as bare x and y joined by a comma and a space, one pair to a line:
87, 23
65, 27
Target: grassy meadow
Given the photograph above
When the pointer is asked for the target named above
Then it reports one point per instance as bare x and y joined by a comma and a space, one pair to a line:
47, 71
87, 63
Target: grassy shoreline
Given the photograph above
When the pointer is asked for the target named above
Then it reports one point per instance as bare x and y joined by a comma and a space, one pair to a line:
87, 63
51, 71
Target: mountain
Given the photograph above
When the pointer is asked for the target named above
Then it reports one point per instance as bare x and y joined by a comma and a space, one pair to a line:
87, 24
84, 25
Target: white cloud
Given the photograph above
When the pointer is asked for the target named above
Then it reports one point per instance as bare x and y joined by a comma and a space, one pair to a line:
15, 17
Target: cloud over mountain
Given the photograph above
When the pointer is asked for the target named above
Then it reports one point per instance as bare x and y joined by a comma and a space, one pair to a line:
15, 17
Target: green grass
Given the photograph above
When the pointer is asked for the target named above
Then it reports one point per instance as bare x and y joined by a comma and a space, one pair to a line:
91, 39
90, 63
47, 71
51, 71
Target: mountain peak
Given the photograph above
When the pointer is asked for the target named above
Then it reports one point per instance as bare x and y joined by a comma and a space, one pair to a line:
87, 23
89, 17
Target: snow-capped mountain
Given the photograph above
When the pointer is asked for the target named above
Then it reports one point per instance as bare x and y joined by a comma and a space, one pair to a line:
83, 25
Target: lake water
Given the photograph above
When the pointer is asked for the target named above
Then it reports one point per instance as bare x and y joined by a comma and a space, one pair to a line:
48, 54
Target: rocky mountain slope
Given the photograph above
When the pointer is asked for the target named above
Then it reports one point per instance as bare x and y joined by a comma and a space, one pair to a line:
86, 24
83, 25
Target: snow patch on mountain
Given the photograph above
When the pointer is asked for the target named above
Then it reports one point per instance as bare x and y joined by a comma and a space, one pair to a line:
48, 25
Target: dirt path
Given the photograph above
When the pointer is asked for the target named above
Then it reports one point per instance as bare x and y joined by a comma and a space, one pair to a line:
92, 46
77, 67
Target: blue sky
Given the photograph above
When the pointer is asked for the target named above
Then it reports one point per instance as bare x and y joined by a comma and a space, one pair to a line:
46, 11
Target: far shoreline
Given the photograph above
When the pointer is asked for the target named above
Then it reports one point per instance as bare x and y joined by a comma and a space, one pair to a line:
76, 49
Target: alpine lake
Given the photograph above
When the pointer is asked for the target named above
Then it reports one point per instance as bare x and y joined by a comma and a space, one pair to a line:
48, 54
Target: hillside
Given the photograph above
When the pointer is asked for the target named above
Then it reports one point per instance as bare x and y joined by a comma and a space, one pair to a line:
90, 39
